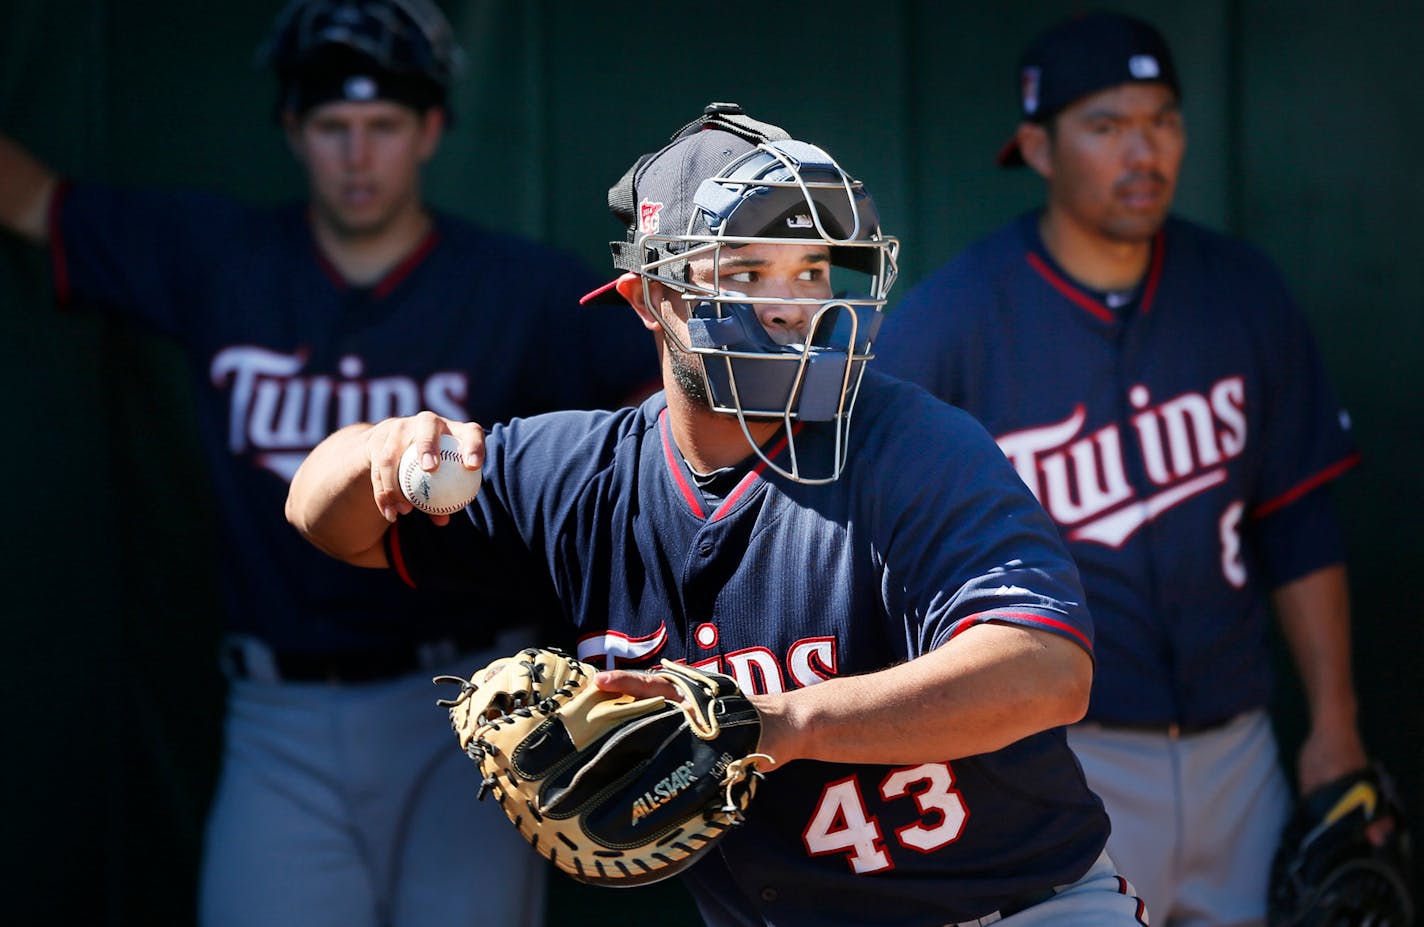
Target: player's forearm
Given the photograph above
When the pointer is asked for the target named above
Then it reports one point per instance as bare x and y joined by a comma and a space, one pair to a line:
26, 188
1314, 614
990, 686
330, 500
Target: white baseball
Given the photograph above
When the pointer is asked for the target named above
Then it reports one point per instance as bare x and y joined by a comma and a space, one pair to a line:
444, 490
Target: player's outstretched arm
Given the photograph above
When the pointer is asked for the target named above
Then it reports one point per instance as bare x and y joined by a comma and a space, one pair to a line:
988, 687
26, 188
346, 493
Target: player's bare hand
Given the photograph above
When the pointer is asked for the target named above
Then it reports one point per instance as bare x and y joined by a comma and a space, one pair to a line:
776, 732
637, 684
387, 441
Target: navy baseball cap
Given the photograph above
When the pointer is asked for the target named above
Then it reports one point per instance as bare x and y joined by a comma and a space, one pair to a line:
1080, 56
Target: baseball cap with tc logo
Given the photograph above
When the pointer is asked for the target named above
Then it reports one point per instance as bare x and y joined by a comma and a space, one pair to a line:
1083, 55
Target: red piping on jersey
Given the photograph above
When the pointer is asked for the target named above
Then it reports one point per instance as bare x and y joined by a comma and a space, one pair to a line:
58, 260
1149, 292
987, 617
1094, 308
694, 498
1305, 486
397, 558
753, 476
393, 276
403, 269
693, 502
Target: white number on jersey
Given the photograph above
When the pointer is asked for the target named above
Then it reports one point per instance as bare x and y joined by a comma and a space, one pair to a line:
1233, 567
842, 824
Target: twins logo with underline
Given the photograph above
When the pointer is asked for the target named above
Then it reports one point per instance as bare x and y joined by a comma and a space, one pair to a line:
1184, 443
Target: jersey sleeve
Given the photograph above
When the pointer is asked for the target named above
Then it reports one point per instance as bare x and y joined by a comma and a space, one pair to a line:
1300, 538
1306, 439
140, 253
965, 541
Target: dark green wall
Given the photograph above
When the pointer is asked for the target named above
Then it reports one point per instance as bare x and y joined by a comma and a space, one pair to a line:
1304, 121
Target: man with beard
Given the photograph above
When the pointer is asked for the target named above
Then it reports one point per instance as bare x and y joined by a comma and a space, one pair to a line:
1156, 387
902, 614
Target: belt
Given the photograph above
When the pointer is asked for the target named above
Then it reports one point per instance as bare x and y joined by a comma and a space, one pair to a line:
1169, 729
245, 657
1020, 902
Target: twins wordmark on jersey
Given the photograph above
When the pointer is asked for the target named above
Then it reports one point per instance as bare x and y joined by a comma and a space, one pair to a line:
756, 669
279, 411
1184, 444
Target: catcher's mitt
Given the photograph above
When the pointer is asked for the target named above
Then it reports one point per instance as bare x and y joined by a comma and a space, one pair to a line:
611, 789
1327, 873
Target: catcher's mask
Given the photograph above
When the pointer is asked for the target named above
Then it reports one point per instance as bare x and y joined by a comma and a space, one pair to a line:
359, 50
727, 181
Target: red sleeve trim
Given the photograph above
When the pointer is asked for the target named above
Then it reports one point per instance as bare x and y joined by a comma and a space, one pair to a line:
1061, 626
1305, 486
393, 550
58, 259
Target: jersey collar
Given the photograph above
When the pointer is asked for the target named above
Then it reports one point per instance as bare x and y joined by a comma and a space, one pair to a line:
1039, 259
393, 277
691, 495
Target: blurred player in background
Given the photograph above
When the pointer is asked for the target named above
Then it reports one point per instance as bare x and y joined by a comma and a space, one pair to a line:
1156, 387
903, 613
340, 801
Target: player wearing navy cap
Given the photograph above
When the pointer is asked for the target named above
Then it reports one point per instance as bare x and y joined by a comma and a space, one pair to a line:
339, 802
1156, 387
910, 625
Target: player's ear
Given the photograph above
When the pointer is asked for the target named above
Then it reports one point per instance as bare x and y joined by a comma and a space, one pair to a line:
292, 127
1035, 146
630, 287
432, 127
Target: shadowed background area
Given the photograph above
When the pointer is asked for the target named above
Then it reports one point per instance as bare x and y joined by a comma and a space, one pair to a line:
1303, 119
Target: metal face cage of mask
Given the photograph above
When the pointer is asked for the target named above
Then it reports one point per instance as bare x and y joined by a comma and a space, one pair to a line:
792, 193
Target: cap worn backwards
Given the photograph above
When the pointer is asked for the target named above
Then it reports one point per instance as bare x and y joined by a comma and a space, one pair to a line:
324, 51
1081, 56
656, 195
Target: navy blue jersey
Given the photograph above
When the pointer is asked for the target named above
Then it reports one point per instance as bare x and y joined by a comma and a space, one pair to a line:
1166, 438
282, 352
783, 585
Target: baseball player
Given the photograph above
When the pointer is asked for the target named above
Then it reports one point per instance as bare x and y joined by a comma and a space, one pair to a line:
910, 625
339, 802
1156, 387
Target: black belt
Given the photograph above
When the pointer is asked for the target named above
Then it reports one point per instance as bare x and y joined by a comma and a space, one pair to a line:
1172, 729
348, 665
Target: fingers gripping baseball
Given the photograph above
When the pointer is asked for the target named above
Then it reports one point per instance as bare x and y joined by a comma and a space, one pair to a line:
429, 441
